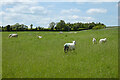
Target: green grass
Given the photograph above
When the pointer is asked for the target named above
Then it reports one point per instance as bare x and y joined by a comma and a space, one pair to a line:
0, 55
30, 57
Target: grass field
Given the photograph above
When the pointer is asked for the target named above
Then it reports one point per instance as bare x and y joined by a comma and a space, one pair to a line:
0, 55
30, 57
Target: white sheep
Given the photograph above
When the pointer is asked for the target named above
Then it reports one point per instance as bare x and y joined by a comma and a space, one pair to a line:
75, 32
60, 32
39, 36
69, 46
102, 40
94, 40
13, 35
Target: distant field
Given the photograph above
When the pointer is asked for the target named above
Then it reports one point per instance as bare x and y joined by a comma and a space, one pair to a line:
30, 57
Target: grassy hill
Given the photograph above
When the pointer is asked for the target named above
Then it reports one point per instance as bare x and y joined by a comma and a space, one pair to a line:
30, 57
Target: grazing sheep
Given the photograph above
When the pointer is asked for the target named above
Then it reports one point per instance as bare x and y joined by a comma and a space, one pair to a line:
94, 40
39, 36
60, 32
69, 46
102, 40
13, 35
75, 32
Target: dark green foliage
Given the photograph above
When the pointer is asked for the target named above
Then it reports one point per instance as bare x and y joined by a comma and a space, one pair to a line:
31, 26
52, 25
99, 27
8, 27
59, 26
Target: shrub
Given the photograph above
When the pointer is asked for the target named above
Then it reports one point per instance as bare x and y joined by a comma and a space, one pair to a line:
99, 27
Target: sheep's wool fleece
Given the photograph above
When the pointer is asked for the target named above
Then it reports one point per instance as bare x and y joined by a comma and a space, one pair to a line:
66, 44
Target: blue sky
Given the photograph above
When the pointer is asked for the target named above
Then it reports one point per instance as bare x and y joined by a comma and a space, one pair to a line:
42, 13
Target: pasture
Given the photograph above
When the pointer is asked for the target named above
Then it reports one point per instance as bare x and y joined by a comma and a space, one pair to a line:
30, 57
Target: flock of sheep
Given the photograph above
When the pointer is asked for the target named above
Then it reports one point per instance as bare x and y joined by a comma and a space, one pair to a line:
100, 41
71, 46
67, 46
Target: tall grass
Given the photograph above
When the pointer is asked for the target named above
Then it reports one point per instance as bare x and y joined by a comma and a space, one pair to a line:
30, 57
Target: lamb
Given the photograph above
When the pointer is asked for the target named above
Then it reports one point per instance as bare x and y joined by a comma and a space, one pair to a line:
69, 46
94, 40
102, 40
39, 36
13, 35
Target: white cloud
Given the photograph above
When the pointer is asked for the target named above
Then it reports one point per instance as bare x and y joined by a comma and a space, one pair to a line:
18, 9
88, 18
2, 13
27, 13
74, 18
59, 0
27, 8
95, 10
39, 9
69, 11
17, 0
36, 20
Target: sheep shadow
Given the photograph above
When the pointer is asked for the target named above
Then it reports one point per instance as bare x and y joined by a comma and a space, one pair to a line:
73, 52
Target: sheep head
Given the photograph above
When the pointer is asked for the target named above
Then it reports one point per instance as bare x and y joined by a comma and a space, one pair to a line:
74, 42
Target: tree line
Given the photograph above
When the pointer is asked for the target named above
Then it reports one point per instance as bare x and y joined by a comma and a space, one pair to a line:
59, 26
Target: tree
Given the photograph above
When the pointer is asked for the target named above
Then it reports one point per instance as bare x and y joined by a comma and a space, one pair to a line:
8, 27
36, 28
22, 27
26, 27
52, 25
0, 28
16, 26
61, 25
31, 26
99, 27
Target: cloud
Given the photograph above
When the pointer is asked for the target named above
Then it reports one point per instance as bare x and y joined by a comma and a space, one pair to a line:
39, 9
69, 11
40, 15
36, 20
2, 13
18, 9
18, 0
95, 10
27, 9
25, 13
74, 18
88, 18
59, 0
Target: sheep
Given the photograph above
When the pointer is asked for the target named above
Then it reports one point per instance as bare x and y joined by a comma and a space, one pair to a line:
102, 40
39, 36
60, 32
69, 46
75, 32
94, 40
13, 35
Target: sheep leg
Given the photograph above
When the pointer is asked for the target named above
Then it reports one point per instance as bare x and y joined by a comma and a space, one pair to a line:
65, 49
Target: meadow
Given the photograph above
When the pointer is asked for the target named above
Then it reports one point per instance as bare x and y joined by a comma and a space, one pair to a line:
0, 55
30, 57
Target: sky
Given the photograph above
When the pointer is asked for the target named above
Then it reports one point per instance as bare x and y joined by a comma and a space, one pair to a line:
43, 13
